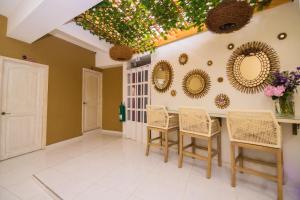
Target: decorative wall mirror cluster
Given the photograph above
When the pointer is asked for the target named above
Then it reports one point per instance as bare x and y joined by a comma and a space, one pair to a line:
162, 76
196, 83
250, 65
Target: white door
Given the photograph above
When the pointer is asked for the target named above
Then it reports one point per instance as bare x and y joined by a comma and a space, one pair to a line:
137, 98
23, 99
91, 100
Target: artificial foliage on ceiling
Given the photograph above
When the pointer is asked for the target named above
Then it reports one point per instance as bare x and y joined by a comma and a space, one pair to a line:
138, 24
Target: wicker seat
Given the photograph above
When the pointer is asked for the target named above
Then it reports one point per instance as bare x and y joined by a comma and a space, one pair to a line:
255, 130
196, 123
163, 122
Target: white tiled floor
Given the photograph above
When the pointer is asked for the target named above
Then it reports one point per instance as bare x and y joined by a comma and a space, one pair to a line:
106, 167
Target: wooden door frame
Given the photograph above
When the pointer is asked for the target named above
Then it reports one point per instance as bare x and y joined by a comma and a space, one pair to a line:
82, 98
45, 72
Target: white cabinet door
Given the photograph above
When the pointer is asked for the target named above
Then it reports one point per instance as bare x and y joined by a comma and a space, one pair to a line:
92, 105
22, 103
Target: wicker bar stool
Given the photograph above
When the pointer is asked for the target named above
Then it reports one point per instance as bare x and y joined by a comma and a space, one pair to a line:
196, 123
259, 131
163, 122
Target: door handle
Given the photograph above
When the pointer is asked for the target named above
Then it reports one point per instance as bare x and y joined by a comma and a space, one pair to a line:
5, 113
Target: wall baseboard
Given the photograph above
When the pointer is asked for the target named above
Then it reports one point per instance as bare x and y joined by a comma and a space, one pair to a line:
110, 132
64, 142
78, 138
98, 130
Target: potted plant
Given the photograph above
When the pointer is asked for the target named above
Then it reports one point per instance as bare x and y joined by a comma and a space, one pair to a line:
282, 87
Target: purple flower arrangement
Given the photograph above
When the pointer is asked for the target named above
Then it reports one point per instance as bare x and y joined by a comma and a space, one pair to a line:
283, 84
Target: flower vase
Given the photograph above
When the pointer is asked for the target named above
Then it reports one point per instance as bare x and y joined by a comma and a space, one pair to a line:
285, 106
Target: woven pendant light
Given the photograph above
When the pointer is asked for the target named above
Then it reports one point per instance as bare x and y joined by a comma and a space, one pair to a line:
229, 16
120, 53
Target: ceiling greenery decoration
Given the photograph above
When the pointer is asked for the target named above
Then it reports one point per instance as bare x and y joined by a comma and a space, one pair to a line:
138, 24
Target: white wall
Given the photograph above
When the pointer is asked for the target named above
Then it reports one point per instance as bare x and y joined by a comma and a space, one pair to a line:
209, 46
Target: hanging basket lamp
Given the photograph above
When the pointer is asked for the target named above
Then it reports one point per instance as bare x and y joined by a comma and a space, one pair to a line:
120, 53
229, 16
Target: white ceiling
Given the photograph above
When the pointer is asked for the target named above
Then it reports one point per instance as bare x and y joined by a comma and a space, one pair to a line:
29, 20
75, 34
7, 6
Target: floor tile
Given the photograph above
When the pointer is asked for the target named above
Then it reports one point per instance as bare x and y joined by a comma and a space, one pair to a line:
100, 192
27, 190
106, 167
7, 195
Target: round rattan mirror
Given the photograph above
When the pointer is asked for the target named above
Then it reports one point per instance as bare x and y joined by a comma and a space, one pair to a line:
162, 76
250, 65
196, 83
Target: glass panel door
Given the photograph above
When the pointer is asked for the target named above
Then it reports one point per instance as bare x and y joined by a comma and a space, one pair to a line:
137, 100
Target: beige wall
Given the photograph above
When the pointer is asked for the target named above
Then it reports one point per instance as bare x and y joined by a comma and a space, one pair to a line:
202, 47
264, 27
112, 97
65, 62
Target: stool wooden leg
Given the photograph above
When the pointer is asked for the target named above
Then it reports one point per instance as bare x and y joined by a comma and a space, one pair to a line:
241, 160
161, 138
233, 168
193, 141
283, 181
178, 142
166, 147
279, 174
148, 141
208, 170
180, 160
219, 146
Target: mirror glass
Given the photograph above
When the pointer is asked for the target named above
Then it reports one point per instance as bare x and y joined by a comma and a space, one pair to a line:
250, 67
196, 83
162, 76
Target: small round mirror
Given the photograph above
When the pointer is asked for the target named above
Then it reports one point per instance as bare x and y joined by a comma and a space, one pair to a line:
230, 46
183, 58
281, 36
